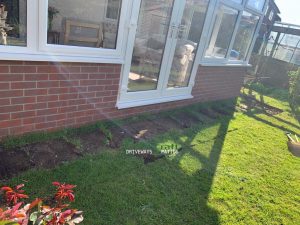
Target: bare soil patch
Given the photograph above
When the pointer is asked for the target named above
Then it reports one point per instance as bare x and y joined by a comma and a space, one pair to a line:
251, 103
40, 155
118, 135
186, 120
166, 123
49, 154
209, 113
13, 162
92, 142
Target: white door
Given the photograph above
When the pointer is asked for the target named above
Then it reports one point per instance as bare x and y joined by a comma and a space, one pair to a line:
163, 42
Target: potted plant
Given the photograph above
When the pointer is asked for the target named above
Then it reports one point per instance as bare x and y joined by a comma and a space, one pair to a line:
294, 145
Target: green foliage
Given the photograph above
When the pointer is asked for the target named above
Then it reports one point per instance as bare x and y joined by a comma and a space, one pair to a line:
294, 92
259, 87
8, 223
73, 141
104, 128
69, 133
36, 213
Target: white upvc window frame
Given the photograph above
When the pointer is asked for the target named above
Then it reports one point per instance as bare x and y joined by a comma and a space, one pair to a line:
215, 61
32, 38
38, 49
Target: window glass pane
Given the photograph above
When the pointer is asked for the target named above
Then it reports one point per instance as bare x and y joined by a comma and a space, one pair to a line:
149, 45
222, 32
237, 1
113, 9
271, 15
13, 20
244, 36
83, 23
256, 4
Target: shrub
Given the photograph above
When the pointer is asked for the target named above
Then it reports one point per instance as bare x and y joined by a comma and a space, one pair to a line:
36, 213
260, 88
294, 91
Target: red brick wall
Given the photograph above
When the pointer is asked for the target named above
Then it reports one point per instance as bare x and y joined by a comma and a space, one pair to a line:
40, 96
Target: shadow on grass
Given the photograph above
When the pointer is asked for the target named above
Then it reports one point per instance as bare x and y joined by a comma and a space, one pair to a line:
254, 110
287, 122
272, 92
284, 129
203, 170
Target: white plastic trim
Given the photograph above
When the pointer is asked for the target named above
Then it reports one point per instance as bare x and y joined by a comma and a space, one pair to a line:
144, 102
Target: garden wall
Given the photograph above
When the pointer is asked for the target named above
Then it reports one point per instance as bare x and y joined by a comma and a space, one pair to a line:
274, 70
46, 96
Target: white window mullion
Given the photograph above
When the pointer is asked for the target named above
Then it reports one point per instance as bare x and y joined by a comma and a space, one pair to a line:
42, 25
32, 25
132, 25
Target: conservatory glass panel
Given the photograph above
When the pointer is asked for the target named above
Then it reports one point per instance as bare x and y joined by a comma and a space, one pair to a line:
13, 22
222, 32
256, 4
149, 45
244, 36
187, 43
89, 23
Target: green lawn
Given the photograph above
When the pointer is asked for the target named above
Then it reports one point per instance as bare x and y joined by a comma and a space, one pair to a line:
233, 170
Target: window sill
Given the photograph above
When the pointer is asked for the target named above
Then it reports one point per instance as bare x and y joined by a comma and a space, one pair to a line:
225, 64
59, 58
131, 104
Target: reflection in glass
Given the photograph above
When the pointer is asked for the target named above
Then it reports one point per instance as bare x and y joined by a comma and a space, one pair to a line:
13, 22
189, 35
256, 4
113, 9
152, 31
89, 23
237, 1
222, 32
244, 36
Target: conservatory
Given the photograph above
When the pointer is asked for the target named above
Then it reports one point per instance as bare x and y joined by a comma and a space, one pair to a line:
157, 48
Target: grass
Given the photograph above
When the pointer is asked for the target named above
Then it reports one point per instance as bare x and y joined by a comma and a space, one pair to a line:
232, 170
67, 134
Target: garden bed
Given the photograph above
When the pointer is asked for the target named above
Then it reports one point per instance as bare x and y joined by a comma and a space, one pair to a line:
50, 153
251, 102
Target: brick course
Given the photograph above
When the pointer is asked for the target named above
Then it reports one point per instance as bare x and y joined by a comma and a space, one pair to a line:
46, 96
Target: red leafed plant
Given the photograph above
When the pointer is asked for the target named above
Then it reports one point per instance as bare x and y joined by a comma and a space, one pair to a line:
12, 196
64, 191
35, 213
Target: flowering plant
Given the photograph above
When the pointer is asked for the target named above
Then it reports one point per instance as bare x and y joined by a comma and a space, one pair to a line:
36, 213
